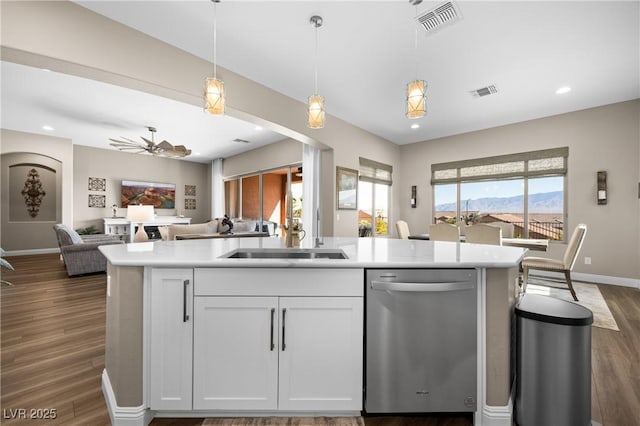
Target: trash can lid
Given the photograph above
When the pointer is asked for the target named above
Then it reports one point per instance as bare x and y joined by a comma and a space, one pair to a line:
549, 309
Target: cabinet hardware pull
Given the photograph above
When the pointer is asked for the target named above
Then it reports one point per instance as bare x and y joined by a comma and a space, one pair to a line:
284, 313
185, 316
273, 313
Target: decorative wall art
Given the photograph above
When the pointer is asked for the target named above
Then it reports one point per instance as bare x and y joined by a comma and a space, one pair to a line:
97, 184
158, 195
98, 201
189, 204
33, 193
346, 188
190, 190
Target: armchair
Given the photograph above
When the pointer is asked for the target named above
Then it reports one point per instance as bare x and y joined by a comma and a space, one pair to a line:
555, 265
80, 253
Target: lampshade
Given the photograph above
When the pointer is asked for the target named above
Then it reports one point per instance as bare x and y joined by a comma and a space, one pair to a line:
214, 96
416, 99
139, 215
316, 112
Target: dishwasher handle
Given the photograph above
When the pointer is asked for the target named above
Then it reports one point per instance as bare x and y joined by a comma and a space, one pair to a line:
423, 287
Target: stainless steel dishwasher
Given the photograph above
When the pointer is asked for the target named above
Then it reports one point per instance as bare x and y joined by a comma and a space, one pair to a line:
421, 340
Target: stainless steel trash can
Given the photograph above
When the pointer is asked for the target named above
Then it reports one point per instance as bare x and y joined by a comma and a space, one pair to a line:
553, 362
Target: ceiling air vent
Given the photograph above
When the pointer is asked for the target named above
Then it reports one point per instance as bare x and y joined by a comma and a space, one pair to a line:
238, 140
434, 19
484, 91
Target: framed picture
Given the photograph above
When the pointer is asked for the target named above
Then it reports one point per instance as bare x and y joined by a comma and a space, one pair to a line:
346, 188
97, 184
98, 201
158, 195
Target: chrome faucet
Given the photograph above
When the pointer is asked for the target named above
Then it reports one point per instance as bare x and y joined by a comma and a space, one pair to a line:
318, 243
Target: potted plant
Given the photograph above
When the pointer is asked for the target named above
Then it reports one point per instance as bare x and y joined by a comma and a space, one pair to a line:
4, 264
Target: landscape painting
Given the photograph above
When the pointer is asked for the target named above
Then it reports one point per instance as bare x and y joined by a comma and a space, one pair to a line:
158, 195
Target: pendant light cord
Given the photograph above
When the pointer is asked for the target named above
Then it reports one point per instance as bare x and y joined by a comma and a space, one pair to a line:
316, 63
416, 43
215, 39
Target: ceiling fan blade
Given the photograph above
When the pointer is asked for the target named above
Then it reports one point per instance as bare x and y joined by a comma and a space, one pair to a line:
125, 141
165, 146
183, 149
149, 143
127, 145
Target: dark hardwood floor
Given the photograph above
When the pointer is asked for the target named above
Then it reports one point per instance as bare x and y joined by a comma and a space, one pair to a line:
52, 352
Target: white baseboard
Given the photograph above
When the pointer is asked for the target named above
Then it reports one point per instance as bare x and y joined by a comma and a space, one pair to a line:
272, 413
123, 416
31, 251
592, 278
497, 415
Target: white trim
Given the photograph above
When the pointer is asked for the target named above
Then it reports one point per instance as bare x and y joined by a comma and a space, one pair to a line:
31, 251
123, 416
488, 415
219, 413
481, 347
497, 415
593, 278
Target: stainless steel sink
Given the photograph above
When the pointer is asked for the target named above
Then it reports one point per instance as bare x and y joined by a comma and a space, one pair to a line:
285, 253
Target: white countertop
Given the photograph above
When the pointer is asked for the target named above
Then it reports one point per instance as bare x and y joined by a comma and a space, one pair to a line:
361, 252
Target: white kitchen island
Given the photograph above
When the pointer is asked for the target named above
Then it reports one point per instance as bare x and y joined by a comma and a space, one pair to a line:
178, 344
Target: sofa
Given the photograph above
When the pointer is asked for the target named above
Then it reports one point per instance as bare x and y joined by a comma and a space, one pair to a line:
211, 229
80, 253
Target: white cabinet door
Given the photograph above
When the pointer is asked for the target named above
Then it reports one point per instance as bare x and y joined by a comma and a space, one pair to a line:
171, 339
235, 353
321, 353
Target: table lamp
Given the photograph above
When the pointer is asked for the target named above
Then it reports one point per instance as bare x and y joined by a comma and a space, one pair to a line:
139, 215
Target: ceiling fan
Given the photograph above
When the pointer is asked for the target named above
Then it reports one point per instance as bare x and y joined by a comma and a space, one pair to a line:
163, 149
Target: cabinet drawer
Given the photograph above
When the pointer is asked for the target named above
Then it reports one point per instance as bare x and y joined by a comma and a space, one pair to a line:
278, 282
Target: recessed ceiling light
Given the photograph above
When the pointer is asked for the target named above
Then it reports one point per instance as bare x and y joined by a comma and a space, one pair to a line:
563, 90
415, 126
47, 128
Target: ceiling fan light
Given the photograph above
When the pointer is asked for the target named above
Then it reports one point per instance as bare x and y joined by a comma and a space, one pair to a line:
214, 96
316, 112
416, 99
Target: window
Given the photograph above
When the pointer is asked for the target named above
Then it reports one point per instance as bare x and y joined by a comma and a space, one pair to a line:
374, 183
526, 189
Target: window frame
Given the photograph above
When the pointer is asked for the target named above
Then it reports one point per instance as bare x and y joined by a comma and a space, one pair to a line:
557, 157
376, 173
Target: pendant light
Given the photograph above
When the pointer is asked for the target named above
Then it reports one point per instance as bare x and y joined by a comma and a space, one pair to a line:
315, 107
214, 87
416, 105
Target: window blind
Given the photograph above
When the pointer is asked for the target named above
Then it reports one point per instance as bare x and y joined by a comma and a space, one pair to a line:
372, 171
511, 166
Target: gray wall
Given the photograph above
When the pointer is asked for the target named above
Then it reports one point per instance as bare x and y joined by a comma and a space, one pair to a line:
16, 233
115, 166
77, 164
604, 138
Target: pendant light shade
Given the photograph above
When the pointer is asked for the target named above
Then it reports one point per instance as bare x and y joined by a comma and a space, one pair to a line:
316, 112
214, 96
315, 106
416, 99
214, 99
416, 96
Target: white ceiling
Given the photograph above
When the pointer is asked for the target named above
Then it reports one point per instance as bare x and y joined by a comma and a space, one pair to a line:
366, 56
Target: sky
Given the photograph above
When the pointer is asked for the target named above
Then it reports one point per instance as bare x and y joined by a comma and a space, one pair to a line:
501, 189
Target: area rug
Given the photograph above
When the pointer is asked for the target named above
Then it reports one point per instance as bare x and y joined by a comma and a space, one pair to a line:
285, 421
588, 294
